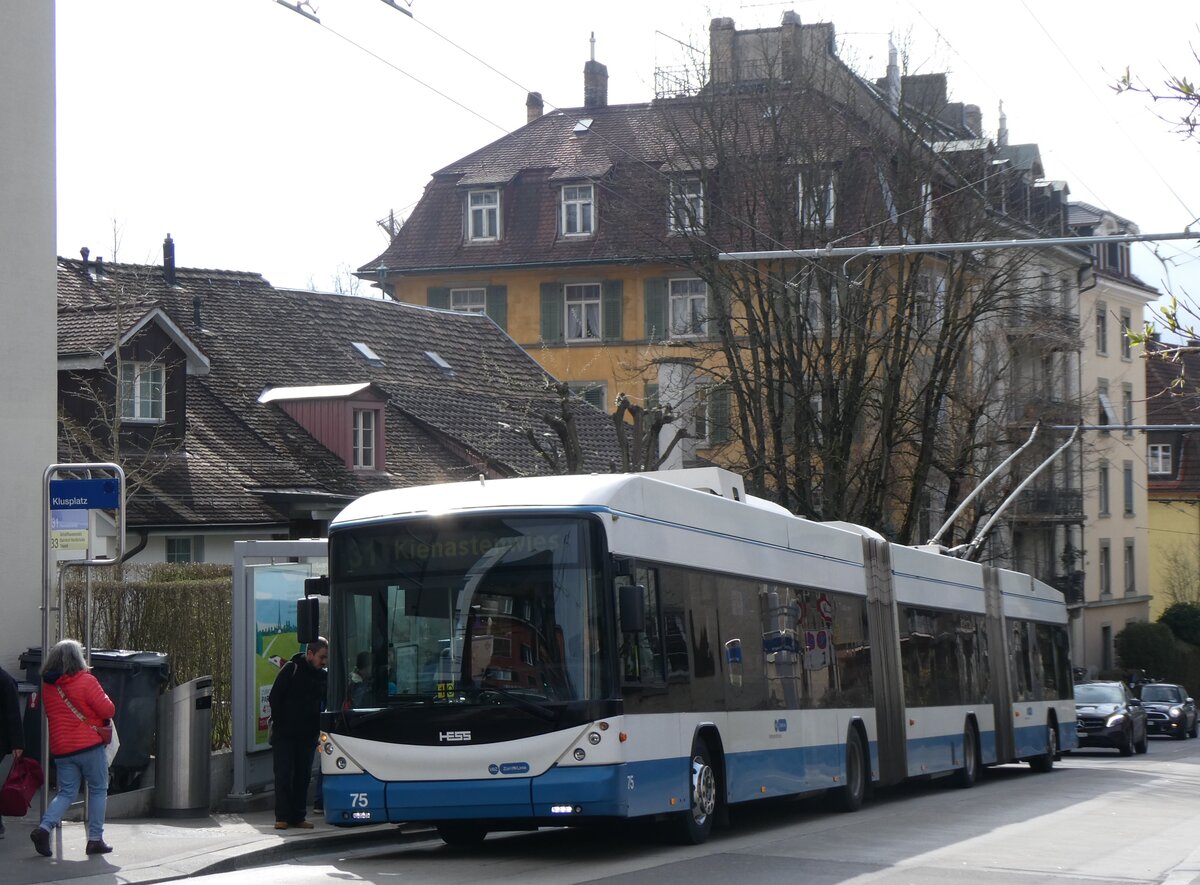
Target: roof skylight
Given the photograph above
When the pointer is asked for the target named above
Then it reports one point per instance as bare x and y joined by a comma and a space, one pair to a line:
583, 126
436, 359
372, 358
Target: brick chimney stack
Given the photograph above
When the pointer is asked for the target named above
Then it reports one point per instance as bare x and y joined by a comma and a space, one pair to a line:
595, 81
169, 261
534, 107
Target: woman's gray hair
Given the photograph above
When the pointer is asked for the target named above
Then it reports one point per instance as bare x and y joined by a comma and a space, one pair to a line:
66, 657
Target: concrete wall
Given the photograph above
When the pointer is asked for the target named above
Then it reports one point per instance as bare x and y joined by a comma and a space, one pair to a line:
27, 303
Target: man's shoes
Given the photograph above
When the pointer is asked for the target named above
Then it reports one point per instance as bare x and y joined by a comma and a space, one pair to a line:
304, 825
281, 825
97, 846
41, 841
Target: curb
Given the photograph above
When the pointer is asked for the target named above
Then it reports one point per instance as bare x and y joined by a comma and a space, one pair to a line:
394, 834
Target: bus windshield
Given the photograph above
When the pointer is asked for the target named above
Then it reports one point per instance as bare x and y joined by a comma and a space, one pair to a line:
476, 610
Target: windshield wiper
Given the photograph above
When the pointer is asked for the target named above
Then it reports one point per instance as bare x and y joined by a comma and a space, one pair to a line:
542, 711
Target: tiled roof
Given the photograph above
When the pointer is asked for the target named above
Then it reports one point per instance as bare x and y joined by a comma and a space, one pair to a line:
241, 458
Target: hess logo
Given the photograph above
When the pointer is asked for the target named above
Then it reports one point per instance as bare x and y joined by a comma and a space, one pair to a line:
454, 737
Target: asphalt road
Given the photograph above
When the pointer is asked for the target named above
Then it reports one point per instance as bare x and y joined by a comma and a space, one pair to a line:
1097, 818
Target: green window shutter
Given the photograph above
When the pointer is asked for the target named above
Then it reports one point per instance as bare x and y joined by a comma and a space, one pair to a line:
612, 310
718, 414
496, 305
552, 312
654, 299
438, 296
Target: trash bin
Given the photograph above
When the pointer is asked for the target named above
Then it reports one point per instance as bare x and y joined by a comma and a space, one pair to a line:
181, 769
134, 680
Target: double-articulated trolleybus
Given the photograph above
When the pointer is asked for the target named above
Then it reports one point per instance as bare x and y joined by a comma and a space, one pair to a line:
555, 651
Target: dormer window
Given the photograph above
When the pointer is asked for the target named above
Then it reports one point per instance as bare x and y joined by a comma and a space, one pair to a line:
686, 210
578, 215
483, 218
141, 387
364, 439
818, 196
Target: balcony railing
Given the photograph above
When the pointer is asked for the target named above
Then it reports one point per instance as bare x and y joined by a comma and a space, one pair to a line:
1064, 504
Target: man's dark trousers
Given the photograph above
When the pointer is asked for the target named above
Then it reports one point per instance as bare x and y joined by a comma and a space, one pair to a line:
293, 771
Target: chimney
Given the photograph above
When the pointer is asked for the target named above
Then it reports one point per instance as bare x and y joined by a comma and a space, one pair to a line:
1002, 134
892, 80
533, 106
99, 267
169, 263
595, 81
196, 314
84, 253
973, 118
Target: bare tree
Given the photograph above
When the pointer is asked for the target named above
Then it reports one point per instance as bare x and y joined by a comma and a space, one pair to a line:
861, 389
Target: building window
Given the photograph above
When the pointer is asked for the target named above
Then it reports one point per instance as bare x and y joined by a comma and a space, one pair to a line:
686, 209
364, 439
583, 311
185, 549
577, 210
469, 300
1107, 414
1159, 460
484, 217
1128, 484
1106, 647
1105, 568
689, 308
594, 393
142, 391
1127, 408
927, 207
1130, 572
1126, 328
1101, 328
1102, 488
818, 197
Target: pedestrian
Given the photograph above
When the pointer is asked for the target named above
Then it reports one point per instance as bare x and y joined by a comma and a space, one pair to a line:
76, 709
12, 737
296, 699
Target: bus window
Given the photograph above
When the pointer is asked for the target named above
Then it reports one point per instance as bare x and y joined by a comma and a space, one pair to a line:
642, 653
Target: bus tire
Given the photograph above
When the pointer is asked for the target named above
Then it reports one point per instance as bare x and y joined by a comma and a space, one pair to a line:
966, 776
849, 798
693, 826
461, 833
1045, 762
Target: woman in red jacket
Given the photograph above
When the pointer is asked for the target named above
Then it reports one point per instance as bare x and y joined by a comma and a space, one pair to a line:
76, 706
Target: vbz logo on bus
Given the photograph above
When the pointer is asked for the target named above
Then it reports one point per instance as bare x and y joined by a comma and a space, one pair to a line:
449, 737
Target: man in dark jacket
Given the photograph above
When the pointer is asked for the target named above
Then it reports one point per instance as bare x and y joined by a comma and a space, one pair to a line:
296, 699
12, 736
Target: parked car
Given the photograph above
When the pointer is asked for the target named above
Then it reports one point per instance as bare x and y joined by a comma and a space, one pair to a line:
1108, 715
1169, 710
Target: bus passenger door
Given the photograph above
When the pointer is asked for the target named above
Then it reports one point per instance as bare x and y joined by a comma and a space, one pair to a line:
998, 665
885, 663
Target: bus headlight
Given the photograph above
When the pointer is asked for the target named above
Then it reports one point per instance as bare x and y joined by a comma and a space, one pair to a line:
580, 754
594, 738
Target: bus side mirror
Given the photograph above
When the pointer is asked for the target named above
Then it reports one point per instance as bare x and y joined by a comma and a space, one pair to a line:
632, 600
316, 586
308, 619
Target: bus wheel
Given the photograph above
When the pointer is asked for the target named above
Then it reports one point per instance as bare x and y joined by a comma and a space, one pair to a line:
695, 824
461, 833
1045, 762
850, 797
966, 776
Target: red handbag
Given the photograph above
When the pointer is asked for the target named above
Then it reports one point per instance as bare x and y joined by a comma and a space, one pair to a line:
21, 785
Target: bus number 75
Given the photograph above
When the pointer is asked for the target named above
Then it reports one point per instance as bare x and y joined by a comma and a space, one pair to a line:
358, 800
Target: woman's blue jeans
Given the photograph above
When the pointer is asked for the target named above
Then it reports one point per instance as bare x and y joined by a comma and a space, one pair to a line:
91, 766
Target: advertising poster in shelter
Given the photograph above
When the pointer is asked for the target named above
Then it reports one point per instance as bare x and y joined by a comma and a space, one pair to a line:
276, 590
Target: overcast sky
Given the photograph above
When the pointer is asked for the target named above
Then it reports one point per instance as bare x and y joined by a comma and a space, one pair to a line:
266, 142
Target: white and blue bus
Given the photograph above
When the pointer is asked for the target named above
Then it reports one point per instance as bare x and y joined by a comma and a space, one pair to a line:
509, 654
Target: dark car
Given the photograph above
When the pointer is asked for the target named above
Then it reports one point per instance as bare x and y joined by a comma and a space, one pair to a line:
1109, 716
1169, 710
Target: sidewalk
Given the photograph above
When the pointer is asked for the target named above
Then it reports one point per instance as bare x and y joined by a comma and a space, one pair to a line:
161, 849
